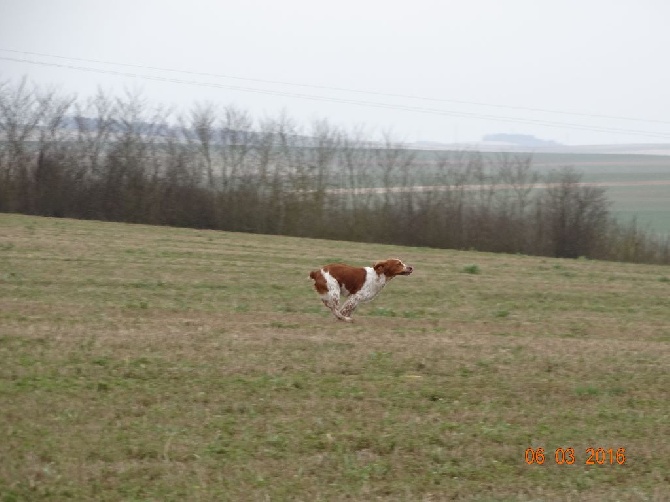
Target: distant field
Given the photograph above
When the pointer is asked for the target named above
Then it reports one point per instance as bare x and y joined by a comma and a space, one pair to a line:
647, 198
151, 363
649, 202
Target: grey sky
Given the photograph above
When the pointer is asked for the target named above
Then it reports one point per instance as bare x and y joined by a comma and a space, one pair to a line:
582, 58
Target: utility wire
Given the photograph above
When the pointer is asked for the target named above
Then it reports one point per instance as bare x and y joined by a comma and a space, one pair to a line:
374, 104
339, 89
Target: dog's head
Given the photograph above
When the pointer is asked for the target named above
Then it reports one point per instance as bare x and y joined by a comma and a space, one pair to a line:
392, 267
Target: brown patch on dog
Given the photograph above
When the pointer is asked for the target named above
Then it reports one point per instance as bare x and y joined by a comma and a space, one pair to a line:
319, 281
348, 277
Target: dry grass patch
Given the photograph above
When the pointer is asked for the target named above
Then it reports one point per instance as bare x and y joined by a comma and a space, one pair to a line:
144, 363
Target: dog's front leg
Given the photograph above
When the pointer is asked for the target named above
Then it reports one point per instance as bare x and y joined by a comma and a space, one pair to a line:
334, 307
348, 308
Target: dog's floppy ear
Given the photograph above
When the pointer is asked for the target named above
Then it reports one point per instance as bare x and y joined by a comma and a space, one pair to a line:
379, 266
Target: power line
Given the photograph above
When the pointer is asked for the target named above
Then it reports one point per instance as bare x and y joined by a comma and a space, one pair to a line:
373, 104
339, 89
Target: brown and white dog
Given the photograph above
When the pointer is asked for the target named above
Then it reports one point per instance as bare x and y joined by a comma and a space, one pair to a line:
358, 284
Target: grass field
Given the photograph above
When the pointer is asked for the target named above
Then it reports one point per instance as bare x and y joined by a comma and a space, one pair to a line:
148, 363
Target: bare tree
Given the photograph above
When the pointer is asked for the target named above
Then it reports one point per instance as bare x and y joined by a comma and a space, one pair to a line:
355, 161
236, 142
30, 125
519, 181
576, 214
95, 123
203, 118
53, 174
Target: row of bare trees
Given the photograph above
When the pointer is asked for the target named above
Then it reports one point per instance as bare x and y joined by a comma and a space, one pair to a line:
121, 159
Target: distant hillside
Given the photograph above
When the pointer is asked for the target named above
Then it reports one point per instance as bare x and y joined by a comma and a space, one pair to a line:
519, 140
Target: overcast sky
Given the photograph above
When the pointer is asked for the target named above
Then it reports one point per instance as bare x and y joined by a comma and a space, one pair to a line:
448, 71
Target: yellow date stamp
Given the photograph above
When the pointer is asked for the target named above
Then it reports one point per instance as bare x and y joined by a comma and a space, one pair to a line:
567, 456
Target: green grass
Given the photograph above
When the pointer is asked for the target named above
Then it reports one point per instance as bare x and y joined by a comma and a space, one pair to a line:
471, 269
148, 363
